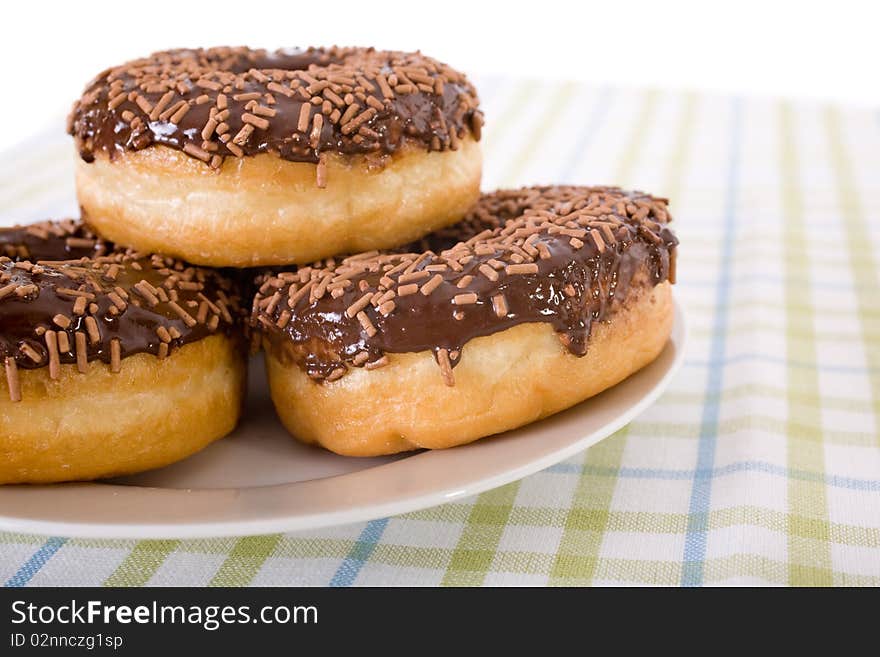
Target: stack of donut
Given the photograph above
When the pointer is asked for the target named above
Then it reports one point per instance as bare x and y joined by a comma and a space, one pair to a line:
323, 205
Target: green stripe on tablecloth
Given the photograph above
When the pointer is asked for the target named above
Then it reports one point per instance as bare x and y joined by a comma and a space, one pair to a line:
746, 421
20, 539
450, 512
312, 548
863, 262
659, 522
245, 560
809, 550
587, 518
586, 522
653, 523
759, 390
471, 560
659, 571
613, 569
147, 556
742, 567
141, 563
433, 559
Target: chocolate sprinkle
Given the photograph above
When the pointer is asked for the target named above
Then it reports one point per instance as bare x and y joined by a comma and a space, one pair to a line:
566, 256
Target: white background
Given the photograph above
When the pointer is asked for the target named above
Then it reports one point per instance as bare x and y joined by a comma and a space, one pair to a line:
825, 50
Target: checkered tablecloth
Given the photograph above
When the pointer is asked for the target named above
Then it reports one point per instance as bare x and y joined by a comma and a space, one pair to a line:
759, 465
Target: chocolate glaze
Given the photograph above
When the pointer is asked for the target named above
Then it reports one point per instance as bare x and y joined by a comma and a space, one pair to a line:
433, 116
32, 294
52, 240
576, 283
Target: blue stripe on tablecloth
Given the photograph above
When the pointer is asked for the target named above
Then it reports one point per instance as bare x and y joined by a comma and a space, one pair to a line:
588, 132
360, 552
836, 481
38, 559
698, 511
717, 363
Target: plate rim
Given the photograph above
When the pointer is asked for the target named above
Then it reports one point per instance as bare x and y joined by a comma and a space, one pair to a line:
323, 519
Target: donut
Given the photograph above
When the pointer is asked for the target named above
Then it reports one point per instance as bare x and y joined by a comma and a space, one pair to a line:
540, 298
239, 157
115, 362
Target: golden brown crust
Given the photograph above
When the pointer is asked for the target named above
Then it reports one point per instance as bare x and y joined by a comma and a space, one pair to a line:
263, 210
508, 379
100, 424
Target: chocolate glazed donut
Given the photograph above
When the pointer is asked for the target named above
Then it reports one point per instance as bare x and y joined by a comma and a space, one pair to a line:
272, 158
115, 362
539, 299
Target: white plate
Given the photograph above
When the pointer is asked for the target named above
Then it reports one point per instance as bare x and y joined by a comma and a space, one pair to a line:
259, 480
